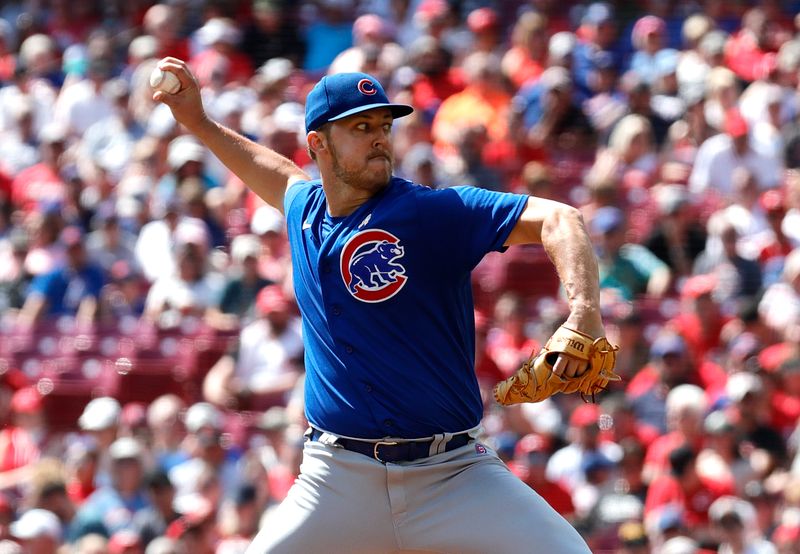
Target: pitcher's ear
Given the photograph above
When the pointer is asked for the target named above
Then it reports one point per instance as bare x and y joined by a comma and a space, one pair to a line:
316, 141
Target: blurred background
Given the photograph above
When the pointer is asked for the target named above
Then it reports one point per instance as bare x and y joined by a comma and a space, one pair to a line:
151, 360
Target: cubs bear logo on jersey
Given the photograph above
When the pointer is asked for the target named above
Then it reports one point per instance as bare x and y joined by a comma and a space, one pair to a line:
370, 265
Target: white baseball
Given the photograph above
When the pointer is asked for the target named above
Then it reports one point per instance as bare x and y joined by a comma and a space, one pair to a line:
165, 81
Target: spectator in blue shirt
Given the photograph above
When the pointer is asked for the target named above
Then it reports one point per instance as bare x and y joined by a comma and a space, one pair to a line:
112, 508
329, 35
72, 289
599, 29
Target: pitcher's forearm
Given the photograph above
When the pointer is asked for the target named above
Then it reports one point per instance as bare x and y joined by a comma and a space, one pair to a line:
263, 170
566, 241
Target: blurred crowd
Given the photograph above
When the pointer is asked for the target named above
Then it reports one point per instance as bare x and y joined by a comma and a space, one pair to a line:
151, 358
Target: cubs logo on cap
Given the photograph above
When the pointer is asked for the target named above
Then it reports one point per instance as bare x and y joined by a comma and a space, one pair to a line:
371, 265
367, 87
344, 94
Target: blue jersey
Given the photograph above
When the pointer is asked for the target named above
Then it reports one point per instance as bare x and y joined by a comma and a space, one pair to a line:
387, 305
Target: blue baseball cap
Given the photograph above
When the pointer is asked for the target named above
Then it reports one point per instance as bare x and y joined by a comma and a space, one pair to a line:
344, 94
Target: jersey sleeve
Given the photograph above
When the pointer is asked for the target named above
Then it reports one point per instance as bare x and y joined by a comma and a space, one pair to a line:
468, 222
296, 189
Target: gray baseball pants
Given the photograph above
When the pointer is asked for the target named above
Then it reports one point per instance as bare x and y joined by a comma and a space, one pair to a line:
460, 502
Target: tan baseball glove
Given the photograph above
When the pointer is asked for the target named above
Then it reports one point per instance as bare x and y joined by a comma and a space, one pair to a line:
535, 380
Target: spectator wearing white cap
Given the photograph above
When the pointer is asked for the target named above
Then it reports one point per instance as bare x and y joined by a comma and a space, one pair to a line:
559, 49
186, 158
271, 86
39, 531
19, 148
218, 40
112, 507
26, 86
685, 408
212, 465
679, 545
692, 66
284, 131
734, 520
39, 54
159, 240
100, 420
270, 226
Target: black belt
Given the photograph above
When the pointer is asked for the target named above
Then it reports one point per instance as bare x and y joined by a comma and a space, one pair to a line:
391, 451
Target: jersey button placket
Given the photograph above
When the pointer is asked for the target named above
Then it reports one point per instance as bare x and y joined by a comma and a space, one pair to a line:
348, 349
336, 310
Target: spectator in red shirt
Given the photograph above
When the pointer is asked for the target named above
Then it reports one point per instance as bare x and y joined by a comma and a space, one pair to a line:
508, 343
161, 22
685, 409
8, 61
484, 24
43, 183
746, 50
21, 442
82, 460
220, 60
624, 425
485, 367
684, 489
700, 322
530, 463
196, 530
527, 57
435, 80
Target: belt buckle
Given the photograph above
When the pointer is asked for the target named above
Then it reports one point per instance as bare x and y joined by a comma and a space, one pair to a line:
379, 443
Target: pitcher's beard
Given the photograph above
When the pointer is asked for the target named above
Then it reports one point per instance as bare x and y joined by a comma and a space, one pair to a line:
364, 179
